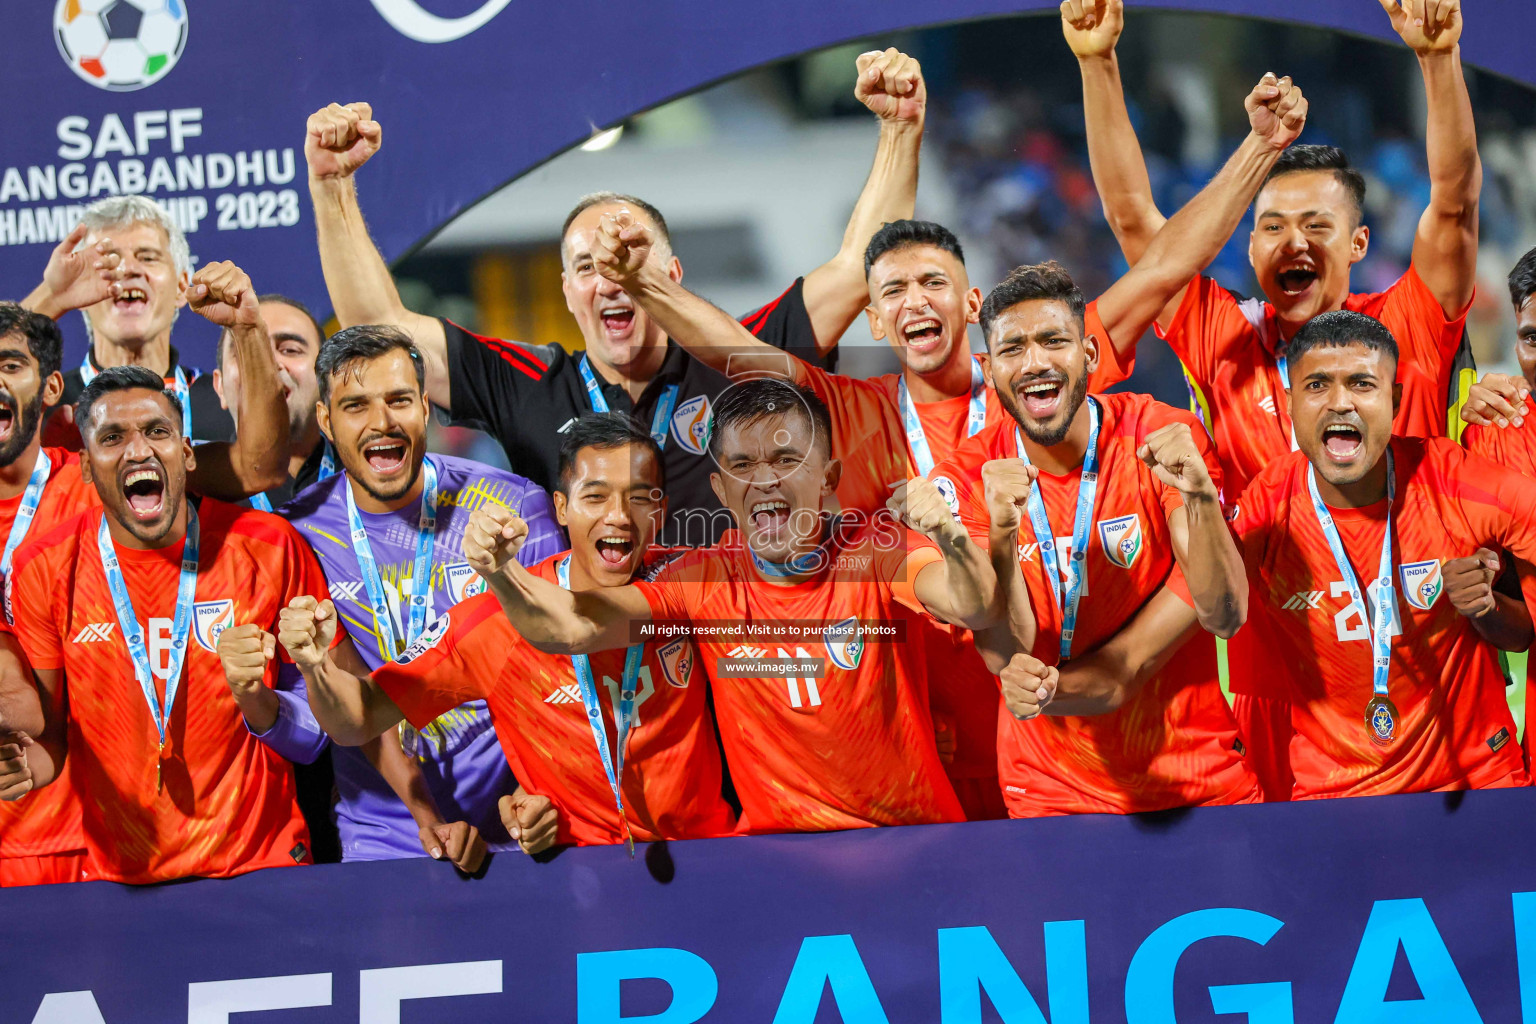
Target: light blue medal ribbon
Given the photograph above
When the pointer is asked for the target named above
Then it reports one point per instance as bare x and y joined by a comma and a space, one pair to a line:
1285, 382
260, 502
421, 568
623, 712
26, 510
1082, 522
917, 437
178, 387
128, 622
1380, 713
664, 405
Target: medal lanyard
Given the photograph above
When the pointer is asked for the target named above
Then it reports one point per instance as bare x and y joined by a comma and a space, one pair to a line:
1082, 521
128, 621
623, 710
421, 568
178, 387
1285, 384
664, 405
27, 509
327, 470
917, 437
1381, 626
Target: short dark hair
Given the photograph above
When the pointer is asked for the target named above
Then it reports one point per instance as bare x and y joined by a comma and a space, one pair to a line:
123, 378
362, 344
591, 199
1339, 328
760, 397
223, 352
1322, 158
904, 234
1522, 280
44, 339
1048, 280
604, 431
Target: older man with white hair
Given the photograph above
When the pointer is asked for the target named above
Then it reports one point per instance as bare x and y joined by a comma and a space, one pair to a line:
126, 268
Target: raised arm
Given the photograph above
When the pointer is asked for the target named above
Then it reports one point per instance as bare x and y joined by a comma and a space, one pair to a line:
1445, 246
346, 702
548, 616
1187, 243
280, 717
961, 587
1092, 27
1203, 544
621, 249
890, 84
257, 459
339, 140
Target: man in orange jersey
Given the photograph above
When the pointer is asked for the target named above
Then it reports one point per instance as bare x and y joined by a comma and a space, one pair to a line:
805, 622
1308, 232
1387, 687
888, 428
40, 487
119, 611
657, 772
1114, 506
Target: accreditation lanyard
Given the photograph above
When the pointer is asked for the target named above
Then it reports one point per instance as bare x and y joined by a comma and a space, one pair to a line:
178, 386
1381, 624
27, 509
623, 711
327, 470
1082, 522
664, 405
1285, 383
421, 568
917, 438
128, 622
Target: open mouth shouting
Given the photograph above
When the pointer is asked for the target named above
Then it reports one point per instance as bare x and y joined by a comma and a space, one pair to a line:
387, 456
1342, 442
1041, 397
1295, 279
144, 487
7, 419
615, 550
131, 300
923, 336
617, 319
769, 516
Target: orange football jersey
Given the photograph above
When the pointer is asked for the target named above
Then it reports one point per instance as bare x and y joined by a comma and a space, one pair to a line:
1454, 729
1173, 743
672, 770
47, 821
852, 749
1228, 346
227, 805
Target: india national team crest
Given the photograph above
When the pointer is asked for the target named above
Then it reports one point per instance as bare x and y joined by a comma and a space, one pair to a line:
690, 424
1121, 538
1422, 583
676, 659
209, 619
844, 644
463, 582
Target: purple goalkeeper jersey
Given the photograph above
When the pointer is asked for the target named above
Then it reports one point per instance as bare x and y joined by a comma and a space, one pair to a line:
458, 753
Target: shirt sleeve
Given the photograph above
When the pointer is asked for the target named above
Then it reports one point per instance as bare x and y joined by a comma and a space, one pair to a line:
29, 591
545, 537
301, 577
448, 670
295, 735
490, 379
1424, 333
900, 568
1114, 367
1203, 328
785, 323
1500, 506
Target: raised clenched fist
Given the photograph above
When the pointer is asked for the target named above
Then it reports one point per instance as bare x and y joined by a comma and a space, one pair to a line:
340, 139
1277, 111
222, 294
245, 651
306, 629
492, 538
1092, 27
891, 85
1175, 460
921, 505
1007, 484
621, 246
1429, 26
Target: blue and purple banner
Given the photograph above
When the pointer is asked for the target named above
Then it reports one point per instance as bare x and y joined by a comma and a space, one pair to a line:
1392, 910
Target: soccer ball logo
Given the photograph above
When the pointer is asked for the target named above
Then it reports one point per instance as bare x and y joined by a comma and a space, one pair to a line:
121, 45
